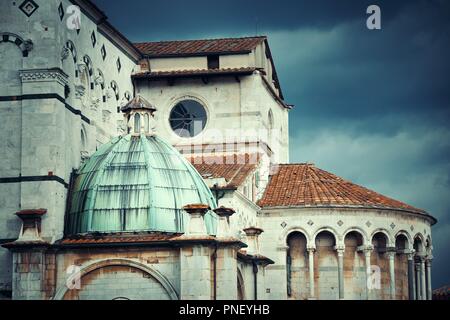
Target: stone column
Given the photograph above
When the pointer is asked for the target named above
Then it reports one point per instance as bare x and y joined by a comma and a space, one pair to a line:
340, 253
253, 250
311, 272
223, 227
429, 286
195, 256
418, 281
225, 257
391, 257
253, 242
411, 280
423, 279
367, 253
32, 276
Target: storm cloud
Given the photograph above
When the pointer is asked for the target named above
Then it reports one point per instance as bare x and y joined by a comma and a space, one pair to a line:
372, 106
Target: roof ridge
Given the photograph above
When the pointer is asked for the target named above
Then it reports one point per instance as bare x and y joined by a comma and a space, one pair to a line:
207, 39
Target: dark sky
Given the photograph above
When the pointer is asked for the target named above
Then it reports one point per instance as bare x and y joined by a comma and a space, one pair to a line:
371, 106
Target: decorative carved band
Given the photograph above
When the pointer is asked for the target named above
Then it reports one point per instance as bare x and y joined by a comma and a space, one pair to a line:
44, 75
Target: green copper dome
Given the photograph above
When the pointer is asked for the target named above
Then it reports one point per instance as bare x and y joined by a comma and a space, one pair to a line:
136, 183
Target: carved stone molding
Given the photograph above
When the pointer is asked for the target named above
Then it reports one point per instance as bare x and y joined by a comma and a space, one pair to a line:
44, 75
65, 52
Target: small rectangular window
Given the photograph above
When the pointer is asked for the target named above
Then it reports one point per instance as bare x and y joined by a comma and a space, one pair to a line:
213, 62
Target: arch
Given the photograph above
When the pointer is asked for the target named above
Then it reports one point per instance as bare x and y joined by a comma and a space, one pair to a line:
381, 243
331, 230
84, 139
270, 120
354, 264
326, 264
419, 236
24, 45
429, 243
389, 242
282, 240
115, 89
73, 51
297, 266
402, 248
95, 265
89, 66
99, 79
419, 243
137, 123
127, 95
408, 237
240, 285
362, 233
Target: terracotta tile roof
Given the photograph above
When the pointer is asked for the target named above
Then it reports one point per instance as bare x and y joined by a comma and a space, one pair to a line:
234, 168
117, 238
199, 47
442, 293
197, 72
306, 185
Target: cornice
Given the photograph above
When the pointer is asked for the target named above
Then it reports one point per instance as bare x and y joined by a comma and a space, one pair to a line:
44, 75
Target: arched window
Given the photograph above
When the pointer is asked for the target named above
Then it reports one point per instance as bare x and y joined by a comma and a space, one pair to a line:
89, 66
270, 124
147, 123
83, 140
270, 120
137, 123
115, 89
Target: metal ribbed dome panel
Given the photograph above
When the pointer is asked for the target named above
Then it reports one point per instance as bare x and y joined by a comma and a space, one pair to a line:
134, 184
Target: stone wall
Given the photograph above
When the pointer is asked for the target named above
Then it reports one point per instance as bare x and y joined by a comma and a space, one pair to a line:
150, 273
242, 106
46, 129
279, 223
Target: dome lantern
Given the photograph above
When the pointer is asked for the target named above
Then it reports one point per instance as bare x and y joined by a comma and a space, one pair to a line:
139, 117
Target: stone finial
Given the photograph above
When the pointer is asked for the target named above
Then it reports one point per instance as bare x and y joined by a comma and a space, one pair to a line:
196, 226
31, 224
252, 237
223, 228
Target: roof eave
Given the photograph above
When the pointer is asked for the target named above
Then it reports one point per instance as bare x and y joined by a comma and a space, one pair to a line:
192, 75
423, 214
194, 54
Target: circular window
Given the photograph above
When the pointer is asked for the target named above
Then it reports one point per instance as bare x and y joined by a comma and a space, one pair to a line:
188, 118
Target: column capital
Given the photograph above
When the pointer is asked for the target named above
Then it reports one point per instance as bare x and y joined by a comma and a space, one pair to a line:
420, 258
429, 259
411, 254
366, 249
311, 249
340, 249
224, 212
200, 209
390, 252
253, 231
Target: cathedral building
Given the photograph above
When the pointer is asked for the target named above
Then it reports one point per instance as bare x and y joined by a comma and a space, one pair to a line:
160, 170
